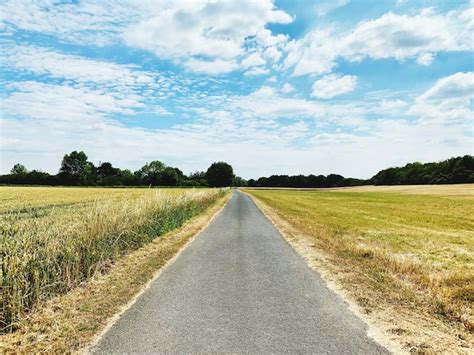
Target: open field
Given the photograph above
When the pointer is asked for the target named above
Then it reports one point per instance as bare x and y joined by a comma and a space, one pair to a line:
444, 190
404, 248
441, 190
53, 239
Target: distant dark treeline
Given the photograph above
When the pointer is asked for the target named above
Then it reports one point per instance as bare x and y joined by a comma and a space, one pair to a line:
76, 170
305, 181
450, 171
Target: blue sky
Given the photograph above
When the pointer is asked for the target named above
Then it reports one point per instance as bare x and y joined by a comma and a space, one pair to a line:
285, 87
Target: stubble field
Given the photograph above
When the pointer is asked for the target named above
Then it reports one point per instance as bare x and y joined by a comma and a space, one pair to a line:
407, 246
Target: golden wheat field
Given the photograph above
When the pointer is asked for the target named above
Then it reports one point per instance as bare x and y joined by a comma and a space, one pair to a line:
420, 246
53, 239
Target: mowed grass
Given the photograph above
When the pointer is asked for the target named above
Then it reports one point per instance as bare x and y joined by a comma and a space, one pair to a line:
53, 239
420, 246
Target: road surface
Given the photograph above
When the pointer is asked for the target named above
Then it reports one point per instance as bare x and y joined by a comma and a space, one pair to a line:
238, 288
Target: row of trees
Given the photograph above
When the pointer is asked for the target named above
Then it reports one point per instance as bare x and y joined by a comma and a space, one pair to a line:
305, 181
451, 171
77, 170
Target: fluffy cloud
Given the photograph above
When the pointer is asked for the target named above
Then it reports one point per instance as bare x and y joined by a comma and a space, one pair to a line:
459, 86
392, 105
333, 85
326, 6
65, 103
195, 34
83, 22
390, 36
218, 66
257, 71
43, 61
425, 59
287, 88
254, 59
213, 30
448, 101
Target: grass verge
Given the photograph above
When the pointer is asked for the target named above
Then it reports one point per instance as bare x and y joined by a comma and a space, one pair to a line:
399, 274
69, 322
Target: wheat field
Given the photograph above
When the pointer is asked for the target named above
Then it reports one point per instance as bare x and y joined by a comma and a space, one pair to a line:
53, 239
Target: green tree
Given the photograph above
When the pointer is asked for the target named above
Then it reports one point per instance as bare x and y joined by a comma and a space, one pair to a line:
151, 173
238, 181
127, 178
106, 169
220, 174
18, 169
76, 170
169, 177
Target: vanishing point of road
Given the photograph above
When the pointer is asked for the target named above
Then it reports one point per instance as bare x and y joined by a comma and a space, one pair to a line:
238, 288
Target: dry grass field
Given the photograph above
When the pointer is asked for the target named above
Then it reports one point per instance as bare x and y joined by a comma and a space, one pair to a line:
413, 245
54, 239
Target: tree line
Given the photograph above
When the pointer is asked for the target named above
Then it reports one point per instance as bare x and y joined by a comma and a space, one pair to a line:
450, 171
76, 170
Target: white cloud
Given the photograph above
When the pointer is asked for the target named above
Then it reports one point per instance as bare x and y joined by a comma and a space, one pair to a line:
272, 53
448, 101
257, 71
84, 22
215, 30
43, 61
267, 39
425, 59
325, 6
392, 105
459, 86
65, 103
389, 36
254, 59
213, 67
287, 88
178, 30
333, 85
265, 102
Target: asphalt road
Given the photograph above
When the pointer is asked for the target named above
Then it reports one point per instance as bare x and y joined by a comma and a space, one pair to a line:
238, 288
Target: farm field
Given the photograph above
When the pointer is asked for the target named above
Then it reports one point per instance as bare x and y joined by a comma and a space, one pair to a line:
53, 239
410, 248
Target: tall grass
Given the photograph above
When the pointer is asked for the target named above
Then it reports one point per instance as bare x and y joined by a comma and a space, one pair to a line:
48, 250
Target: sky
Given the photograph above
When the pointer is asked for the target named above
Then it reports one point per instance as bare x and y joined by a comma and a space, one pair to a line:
271, 87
